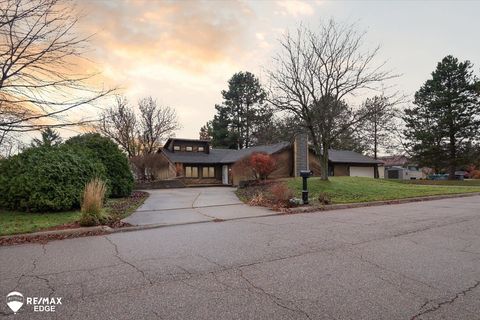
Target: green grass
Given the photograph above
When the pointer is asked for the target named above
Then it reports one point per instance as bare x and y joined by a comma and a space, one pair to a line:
12, 222
465, 183
25, 222
354, 189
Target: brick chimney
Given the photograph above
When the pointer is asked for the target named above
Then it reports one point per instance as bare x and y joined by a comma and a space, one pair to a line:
300, 153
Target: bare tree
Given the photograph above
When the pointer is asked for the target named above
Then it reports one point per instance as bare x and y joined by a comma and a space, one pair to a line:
138, 134
119, 123
9, 145
378, 128
156, 124
316, 72
39, 49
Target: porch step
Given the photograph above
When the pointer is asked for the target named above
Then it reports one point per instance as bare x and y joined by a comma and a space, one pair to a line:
207, 185
161, 184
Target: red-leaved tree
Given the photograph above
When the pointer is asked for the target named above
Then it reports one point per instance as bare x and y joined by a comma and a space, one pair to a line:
262, 165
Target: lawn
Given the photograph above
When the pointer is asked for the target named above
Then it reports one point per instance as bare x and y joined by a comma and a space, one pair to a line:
355, 189
26, 222
465, 183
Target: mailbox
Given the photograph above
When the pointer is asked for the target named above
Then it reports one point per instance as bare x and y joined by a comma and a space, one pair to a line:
305, 174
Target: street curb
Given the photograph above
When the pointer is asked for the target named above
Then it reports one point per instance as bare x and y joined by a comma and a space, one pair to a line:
307, 209
107, 230
77, 232
65, 232
160, 225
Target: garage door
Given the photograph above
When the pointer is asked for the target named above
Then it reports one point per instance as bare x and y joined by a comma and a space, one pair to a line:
362, 172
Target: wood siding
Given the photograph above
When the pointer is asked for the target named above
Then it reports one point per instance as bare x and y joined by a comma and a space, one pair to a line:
340, 170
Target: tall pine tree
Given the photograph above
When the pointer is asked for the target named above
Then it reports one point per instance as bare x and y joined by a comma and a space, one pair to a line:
242, 115
445, 120
50, 137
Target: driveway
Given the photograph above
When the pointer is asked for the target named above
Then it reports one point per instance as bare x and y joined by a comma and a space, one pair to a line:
188, 205
409, 261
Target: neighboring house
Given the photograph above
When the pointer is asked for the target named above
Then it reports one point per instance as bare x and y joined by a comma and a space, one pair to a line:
196, 162
400, 167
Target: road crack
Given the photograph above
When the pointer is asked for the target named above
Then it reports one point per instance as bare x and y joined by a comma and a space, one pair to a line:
117, 255
439, 305
278, 301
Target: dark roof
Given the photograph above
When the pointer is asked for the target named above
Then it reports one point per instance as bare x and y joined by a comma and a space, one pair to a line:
242, 153
170, 140
215, 156
231, 155
222, 155
345, 156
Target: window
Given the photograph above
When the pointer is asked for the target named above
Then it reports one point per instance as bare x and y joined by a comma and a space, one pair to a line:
191, 172
208, 172
188, 148
201, 149
176, 148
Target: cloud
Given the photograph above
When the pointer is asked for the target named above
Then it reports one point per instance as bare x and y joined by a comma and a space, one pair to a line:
180, 52
188, 35
295, 8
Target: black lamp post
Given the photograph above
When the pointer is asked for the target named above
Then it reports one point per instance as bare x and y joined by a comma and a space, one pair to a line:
305, 174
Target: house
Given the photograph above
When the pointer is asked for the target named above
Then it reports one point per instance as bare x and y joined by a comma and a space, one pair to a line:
196, 162
400, 167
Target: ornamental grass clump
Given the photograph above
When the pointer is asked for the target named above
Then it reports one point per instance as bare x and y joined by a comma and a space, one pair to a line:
92, 202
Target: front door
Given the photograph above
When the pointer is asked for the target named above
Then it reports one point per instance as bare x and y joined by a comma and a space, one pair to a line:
225, 174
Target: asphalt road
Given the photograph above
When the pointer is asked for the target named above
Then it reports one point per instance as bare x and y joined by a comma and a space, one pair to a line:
409, 261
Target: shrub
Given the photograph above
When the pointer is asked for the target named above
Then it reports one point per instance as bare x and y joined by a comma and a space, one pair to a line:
473, 172
281, 194
259, 199
324, 198
92, 202
257, 165
46, 179
262, 165
107, 152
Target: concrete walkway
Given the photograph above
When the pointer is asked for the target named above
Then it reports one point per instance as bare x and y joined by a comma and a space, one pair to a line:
188, 205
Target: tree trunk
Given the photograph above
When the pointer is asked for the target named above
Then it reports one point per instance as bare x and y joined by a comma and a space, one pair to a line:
453, 158
324, 162
247, 128
375, 142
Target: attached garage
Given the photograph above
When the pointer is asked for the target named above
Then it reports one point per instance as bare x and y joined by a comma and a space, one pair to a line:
362, 171
346, 163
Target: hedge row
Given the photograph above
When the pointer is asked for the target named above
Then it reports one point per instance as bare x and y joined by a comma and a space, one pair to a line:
52, 178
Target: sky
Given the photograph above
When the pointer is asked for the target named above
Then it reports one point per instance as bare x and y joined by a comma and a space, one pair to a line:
183, 52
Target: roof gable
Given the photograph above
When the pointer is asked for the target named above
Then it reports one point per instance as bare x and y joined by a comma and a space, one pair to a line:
222, 155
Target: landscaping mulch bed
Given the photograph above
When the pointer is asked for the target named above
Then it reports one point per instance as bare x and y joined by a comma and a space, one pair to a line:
260, 194
117, 210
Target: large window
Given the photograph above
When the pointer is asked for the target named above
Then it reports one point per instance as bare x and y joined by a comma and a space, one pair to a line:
188, 148
191, 172
208, 172
201, 149
176, 148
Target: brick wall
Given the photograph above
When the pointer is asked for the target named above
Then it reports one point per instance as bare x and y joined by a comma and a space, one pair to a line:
301, 157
